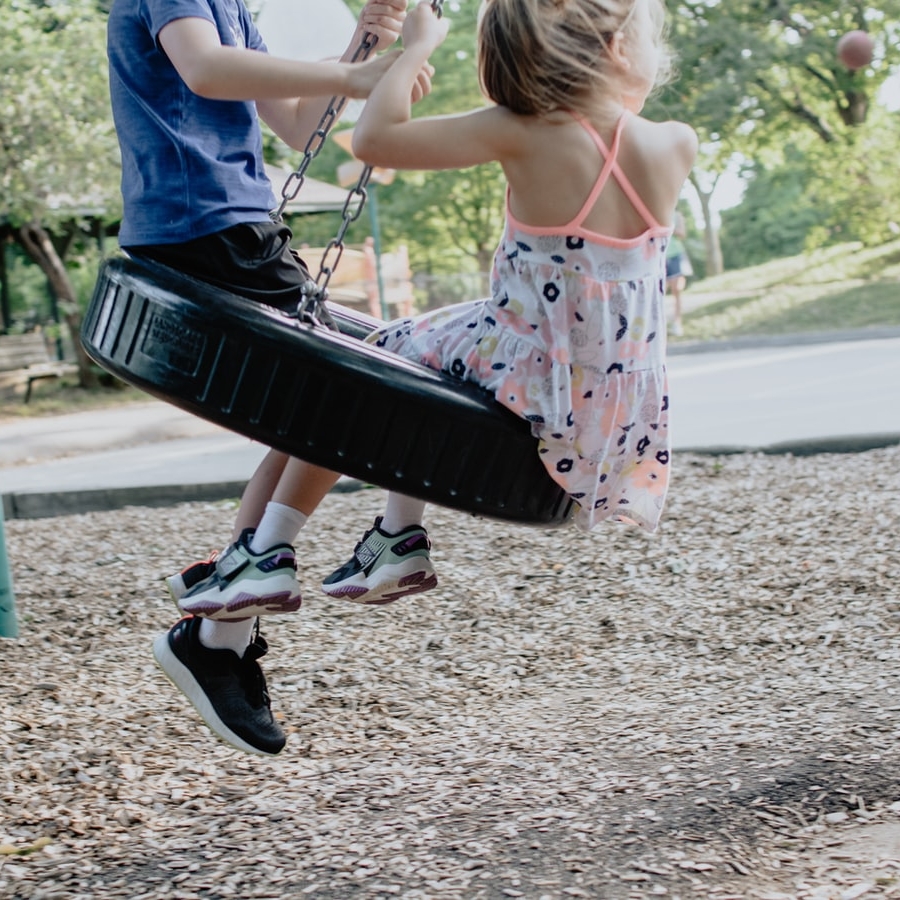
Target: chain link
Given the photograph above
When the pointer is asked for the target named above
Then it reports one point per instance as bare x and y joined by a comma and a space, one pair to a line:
311, 307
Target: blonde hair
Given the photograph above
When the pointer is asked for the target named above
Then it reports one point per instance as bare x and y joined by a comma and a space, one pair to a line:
537, 56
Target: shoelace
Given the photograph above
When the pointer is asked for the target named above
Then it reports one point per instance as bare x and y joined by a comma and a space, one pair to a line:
365, 537
252, 678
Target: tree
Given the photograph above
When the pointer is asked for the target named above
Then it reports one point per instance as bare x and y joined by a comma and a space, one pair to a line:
58, 153
756, 75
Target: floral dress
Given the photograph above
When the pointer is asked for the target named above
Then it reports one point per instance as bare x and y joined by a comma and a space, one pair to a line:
573, 340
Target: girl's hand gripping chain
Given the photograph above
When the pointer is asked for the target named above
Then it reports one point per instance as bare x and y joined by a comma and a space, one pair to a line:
424, 28
383, 19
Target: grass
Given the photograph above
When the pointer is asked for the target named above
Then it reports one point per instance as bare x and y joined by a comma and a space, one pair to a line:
838, 289
50, 398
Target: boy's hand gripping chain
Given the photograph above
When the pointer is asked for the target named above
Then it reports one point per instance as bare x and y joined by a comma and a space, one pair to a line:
311, 307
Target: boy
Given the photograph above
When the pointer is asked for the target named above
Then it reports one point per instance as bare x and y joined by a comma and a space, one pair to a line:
189, 80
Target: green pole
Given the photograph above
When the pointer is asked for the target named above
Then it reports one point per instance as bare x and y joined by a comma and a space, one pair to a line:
8, 626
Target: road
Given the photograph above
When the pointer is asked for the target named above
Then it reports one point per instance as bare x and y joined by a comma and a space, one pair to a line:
803, 398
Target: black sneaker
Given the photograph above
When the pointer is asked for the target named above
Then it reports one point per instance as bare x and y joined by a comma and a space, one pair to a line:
228, 691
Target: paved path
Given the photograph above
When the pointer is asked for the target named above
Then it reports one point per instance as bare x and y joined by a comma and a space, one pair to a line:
834, 395
830, 395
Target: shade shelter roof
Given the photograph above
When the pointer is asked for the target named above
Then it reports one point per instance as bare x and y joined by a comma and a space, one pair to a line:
314, 195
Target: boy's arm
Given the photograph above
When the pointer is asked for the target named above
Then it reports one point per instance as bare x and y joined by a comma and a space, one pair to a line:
294, 120
283, 89
218, 72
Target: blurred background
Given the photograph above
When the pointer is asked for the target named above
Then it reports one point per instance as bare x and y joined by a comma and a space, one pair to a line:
792, 212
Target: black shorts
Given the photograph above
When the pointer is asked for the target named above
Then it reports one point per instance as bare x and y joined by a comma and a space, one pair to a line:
254, 260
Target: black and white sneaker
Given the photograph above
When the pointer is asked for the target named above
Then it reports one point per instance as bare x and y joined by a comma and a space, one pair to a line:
385, 567
191, 575
244, 584
228, 691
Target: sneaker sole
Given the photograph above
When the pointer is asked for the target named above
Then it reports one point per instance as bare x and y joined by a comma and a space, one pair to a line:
386, 592
243, 606
180, 675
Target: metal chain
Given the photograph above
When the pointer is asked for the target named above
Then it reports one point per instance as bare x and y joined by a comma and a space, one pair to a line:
311, 307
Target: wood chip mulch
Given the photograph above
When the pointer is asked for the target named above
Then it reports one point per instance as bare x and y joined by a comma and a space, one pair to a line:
712, 711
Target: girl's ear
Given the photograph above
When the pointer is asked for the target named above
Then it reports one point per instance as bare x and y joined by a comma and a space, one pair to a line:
617, 54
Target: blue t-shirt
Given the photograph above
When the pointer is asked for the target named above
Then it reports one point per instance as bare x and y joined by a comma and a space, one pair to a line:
190, 166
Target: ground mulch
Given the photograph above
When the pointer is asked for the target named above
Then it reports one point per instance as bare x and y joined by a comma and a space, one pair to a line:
708, 712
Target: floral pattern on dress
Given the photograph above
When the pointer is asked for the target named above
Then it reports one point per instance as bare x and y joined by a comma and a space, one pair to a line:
573, 340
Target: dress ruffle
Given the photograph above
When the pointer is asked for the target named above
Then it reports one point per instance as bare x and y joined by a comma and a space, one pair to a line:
573, 341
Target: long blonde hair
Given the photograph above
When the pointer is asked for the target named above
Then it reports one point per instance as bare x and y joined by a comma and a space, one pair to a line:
537, 56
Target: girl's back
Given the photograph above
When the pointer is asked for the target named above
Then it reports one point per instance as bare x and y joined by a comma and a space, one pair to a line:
558, 163
573, 337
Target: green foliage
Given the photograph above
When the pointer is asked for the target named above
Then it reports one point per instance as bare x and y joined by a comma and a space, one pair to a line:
774, 217
28, 295
58, 151
817, 195
761, 81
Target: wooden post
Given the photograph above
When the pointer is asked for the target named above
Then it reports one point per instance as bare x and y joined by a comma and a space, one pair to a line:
8, 625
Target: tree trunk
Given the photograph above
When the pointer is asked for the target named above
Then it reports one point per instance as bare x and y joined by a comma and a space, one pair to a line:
712, 247
39, 247
485, 256
853, 107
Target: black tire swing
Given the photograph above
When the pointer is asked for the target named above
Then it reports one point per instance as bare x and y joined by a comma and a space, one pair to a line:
319, 393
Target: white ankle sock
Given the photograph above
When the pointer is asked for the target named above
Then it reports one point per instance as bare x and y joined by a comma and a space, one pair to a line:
227, 635
280, 524
401, 512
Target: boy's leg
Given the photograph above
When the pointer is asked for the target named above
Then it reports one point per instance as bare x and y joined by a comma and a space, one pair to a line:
226, 686
391, 561
214, 663
253, 259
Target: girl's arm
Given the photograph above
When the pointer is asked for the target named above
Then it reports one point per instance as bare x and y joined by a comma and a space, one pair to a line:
295, 120
386, 134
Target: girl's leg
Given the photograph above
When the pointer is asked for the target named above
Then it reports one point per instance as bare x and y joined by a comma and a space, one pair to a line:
259, 491
300, 489
401, 512
257, 575
392, 560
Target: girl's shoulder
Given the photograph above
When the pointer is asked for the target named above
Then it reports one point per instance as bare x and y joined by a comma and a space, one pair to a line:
665, 140
661, 147
657, 158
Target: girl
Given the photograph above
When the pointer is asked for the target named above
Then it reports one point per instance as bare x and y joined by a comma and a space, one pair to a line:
573, 335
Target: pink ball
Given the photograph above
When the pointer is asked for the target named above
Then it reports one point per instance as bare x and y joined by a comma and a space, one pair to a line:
855, 50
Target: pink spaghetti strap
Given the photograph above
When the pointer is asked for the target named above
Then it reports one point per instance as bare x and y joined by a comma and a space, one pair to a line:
609, 164
612, 166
